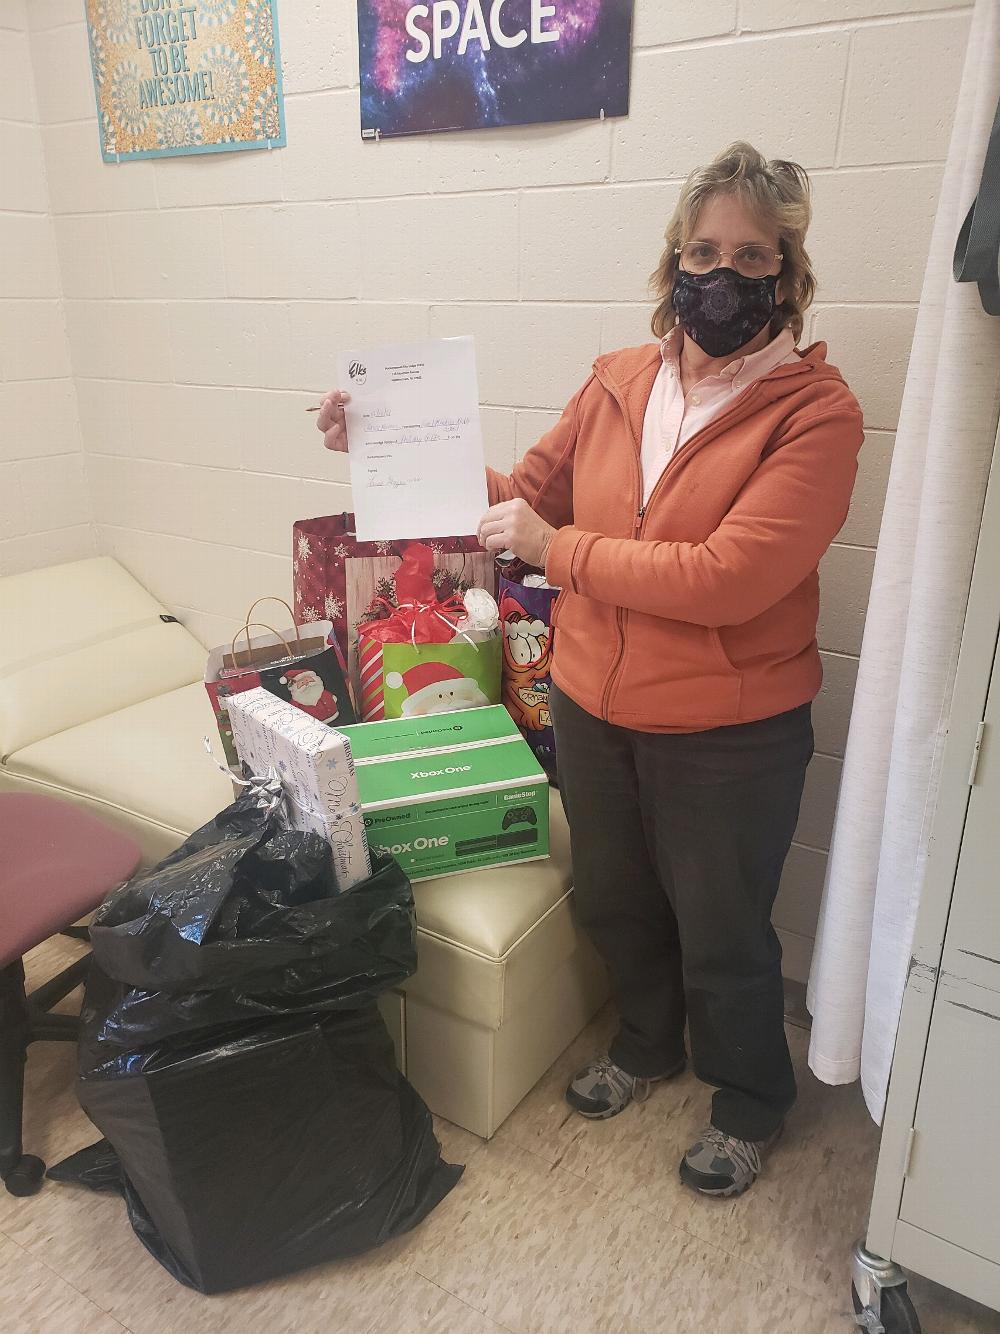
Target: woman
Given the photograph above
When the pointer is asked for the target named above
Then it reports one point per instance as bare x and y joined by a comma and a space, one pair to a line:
682, 504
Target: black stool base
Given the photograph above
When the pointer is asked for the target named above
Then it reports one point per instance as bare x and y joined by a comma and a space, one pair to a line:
26, 1176
25, 1019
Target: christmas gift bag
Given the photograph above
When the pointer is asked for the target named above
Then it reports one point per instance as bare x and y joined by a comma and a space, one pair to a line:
339, 579
440, 678
422, 653
526, 620
302, 665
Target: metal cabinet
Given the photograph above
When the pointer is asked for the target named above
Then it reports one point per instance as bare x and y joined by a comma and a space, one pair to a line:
936, 1205
952, 1187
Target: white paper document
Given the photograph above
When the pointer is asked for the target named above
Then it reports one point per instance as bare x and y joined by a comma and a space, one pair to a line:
414, 439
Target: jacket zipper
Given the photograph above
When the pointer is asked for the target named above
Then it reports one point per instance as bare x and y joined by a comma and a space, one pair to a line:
611, 683
620, 613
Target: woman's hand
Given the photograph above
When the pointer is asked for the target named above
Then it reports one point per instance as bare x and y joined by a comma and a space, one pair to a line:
331, 420
514, 526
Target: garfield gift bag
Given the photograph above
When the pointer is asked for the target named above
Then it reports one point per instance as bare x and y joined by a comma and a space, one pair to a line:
525, 618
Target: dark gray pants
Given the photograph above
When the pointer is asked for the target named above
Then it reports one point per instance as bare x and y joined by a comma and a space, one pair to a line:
678, 846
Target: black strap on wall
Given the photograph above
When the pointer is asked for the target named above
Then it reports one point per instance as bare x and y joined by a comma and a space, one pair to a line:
977, 250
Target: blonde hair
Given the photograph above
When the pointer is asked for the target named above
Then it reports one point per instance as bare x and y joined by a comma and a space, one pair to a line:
777, 193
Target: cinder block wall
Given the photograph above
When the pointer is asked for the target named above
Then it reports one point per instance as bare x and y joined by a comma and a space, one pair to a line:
44, 507
206, 297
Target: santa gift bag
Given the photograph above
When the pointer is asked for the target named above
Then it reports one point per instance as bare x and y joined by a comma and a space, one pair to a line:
426, 653
302, 665
439, 678
339, 579
526, 621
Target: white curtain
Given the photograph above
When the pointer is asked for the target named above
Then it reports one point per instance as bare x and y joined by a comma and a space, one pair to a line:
923, 570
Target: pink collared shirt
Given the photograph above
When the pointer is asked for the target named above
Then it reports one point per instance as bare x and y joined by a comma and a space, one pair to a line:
671, 418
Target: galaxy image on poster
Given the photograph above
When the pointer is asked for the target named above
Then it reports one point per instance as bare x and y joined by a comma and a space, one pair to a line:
468, 64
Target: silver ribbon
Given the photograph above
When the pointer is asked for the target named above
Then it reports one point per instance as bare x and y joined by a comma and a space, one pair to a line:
266, 788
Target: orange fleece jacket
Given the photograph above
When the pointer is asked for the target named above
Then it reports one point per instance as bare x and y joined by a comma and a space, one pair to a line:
699, 609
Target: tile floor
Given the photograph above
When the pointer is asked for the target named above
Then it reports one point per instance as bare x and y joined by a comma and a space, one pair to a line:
557, 1225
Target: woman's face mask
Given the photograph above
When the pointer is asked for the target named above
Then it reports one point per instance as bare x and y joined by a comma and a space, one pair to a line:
722, 310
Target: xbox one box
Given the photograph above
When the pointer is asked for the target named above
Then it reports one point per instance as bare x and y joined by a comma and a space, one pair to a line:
451, 792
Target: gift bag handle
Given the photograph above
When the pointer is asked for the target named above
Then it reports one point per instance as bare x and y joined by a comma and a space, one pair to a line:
272, 598
261, 625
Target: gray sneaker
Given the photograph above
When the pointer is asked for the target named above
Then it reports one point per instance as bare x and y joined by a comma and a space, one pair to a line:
602, 1089
719, 1164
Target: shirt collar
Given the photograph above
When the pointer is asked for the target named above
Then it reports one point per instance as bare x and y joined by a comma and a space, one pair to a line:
755, 366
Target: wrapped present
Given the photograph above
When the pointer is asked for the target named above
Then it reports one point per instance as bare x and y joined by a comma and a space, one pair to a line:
426, 652
341, 580
315, 767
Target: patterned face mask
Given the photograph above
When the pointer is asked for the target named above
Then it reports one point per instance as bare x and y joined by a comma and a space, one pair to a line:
722, 310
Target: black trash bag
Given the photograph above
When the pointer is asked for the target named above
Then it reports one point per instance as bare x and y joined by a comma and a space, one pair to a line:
233, 1055
96, 1167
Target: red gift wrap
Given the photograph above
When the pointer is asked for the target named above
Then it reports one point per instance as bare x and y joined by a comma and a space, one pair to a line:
419, 616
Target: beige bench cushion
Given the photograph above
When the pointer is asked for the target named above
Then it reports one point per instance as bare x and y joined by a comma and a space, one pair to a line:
487, 940
146, 763
79, 641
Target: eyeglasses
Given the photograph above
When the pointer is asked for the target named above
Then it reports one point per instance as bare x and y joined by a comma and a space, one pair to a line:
752, 261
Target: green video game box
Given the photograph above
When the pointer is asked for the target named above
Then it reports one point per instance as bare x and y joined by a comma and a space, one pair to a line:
451, 792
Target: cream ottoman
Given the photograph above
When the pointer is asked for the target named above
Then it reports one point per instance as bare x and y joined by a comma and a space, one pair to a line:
505, 982
101, 702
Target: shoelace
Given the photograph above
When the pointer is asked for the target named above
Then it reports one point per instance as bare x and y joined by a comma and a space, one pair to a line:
612, 1074
741, 1152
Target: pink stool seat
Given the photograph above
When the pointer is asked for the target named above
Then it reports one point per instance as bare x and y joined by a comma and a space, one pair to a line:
57, 863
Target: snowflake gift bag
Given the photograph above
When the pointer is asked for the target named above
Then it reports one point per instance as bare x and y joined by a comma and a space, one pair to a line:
339, 579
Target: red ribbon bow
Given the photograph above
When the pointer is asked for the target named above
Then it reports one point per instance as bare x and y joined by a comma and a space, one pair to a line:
420, 616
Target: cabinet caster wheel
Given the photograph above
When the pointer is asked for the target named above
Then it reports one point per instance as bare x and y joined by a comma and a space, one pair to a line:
897, 1315
25, 1177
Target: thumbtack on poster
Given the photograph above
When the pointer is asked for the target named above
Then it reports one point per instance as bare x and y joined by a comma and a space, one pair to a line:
414, 439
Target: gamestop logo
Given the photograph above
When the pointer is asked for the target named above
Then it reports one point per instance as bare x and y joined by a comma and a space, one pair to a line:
358, 372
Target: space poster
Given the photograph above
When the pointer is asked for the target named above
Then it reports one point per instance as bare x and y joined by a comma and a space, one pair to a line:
470, 64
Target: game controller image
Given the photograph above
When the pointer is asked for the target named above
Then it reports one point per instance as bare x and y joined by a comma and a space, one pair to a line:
519, 815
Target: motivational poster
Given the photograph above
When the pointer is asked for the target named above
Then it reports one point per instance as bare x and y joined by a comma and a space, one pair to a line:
185, 76
465, 64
